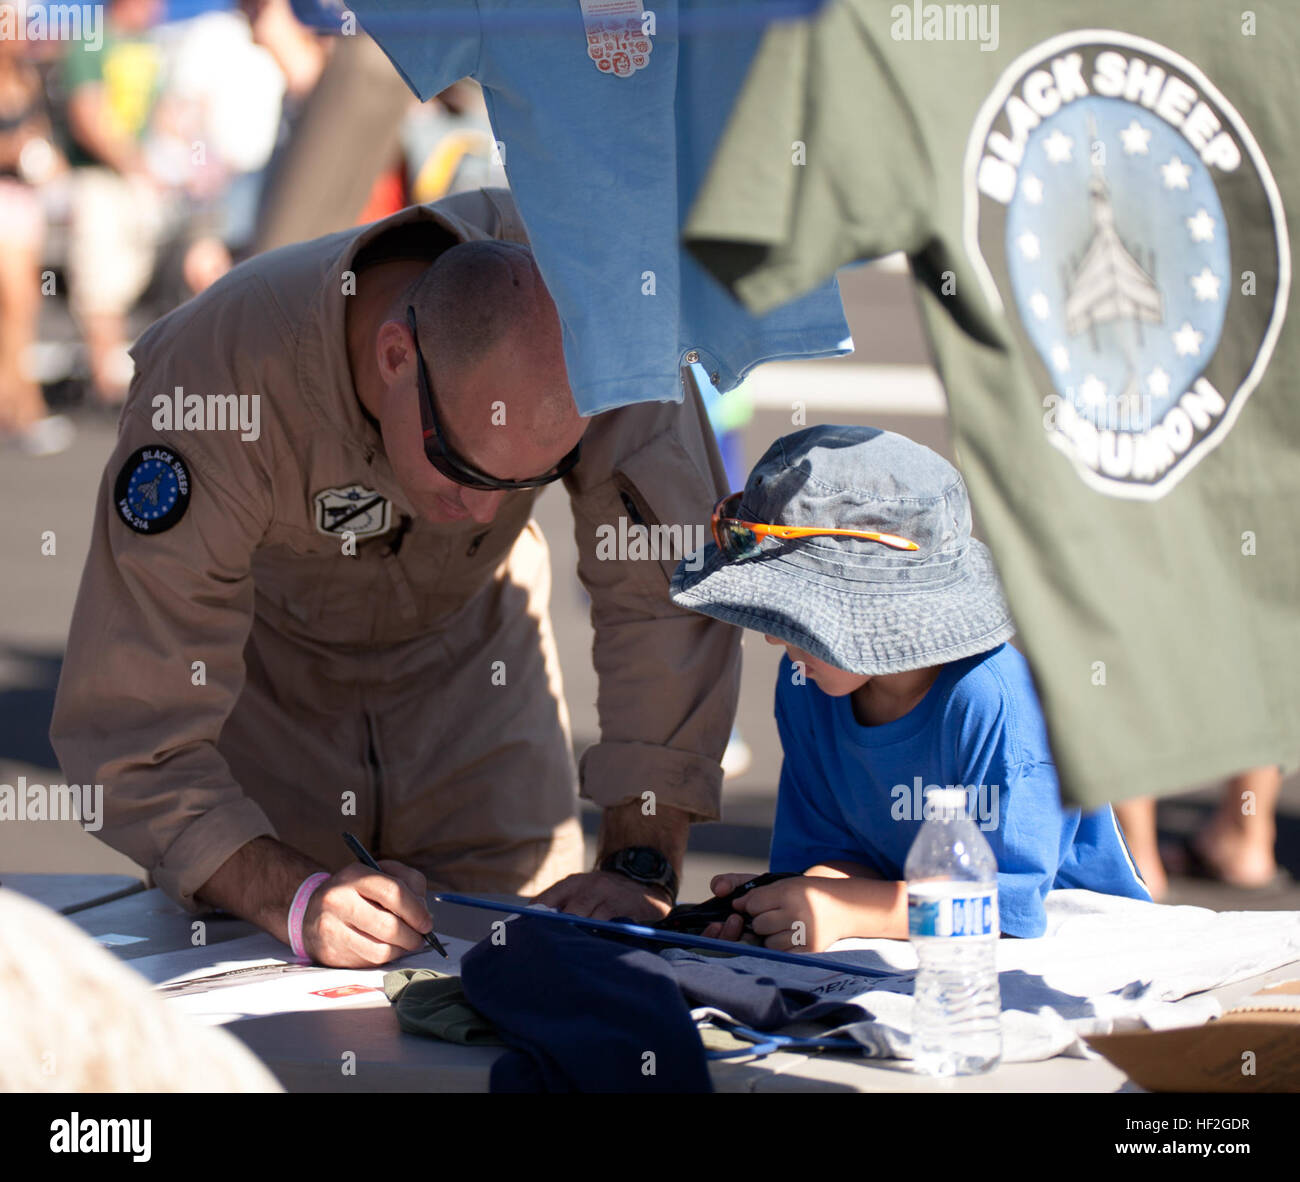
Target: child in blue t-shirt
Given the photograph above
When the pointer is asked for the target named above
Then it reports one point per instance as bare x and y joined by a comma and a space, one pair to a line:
851, 548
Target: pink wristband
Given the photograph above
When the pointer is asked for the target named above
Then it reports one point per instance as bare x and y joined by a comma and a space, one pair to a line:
298, 909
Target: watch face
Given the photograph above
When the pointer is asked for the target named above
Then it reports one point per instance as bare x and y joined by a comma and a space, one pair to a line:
645, 863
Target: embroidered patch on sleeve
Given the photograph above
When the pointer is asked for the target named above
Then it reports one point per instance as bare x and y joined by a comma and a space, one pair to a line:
152, 490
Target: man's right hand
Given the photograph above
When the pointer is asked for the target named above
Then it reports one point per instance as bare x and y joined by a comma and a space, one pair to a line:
358, 919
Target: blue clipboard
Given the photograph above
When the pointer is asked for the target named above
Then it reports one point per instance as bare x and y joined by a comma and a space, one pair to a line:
674, 939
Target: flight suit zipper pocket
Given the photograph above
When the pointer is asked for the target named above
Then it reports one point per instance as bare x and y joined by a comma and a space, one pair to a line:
664, 544
630, 505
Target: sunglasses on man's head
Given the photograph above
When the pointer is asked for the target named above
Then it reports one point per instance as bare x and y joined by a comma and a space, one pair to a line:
739, 539
441, 456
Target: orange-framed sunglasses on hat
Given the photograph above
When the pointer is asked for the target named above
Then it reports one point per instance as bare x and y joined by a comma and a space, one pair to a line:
738, 539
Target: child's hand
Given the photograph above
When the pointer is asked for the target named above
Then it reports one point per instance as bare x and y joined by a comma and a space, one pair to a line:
734, 927
724, 884
800, 914
808, 914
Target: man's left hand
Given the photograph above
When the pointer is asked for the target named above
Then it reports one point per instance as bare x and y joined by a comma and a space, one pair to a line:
601, 894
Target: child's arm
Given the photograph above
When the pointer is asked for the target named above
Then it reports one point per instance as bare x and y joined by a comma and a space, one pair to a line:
828, 902
842, 870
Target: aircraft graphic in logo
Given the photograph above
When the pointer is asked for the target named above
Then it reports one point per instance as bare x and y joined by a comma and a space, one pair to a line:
1108, 185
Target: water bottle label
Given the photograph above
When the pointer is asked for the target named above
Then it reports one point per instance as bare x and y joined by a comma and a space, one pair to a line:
971, 913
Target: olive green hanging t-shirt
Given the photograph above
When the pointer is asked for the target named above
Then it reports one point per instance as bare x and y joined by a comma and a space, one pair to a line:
1095, 201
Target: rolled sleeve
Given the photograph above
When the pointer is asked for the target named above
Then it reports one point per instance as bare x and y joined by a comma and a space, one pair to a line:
679, 779
204, 846
669, 678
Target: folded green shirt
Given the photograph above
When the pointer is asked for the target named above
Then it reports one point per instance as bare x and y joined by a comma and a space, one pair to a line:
433, 1003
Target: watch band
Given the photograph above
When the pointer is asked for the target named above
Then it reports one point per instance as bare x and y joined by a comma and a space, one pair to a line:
670, 891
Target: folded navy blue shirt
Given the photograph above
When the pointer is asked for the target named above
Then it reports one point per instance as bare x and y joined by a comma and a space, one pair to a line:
752, 997
582, 1013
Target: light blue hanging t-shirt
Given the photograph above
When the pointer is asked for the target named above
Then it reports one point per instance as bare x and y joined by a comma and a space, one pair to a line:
854, 793
603, 167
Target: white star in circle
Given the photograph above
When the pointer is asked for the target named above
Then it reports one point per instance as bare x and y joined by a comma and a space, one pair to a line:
1188, 341
1032, 188
1060, 358
1201, 226
1206, 285
1041, 305
1158, 382
1175, 173
1093, 390
1028, 244
1058, 147
1135, 137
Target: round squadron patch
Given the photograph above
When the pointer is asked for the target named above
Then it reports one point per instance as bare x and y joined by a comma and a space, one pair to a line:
1120, 211
152, 490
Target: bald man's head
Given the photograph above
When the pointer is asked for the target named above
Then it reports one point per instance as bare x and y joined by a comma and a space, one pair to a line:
492, 344
474, 295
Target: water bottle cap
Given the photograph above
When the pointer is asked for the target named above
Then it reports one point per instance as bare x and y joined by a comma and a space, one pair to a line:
946, 802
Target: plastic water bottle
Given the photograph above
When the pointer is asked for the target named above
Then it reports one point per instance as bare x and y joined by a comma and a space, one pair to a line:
952, 921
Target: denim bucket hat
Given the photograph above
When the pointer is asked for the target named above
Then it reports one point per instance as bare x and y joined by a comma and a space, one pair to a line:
858, 605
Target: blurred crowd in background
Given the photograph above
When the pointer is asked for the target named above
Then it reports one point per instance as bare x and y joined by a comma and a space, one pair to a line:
139, 164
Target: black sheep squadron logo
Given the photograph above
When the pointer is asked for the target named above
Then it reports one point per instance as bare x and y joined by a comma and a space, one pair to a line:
1114, 203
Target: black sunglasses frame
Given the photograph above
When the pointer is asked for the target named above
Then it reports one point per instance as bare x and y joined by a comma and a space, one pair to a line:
440, 455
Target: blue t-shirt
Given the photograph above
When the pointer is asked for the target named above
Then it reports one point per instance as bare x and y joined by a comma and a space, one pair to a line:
603, 168
854, 793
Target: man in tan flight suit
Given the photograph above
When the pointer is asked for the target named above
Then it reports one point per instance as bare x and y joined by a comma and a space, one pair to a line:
291, 623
